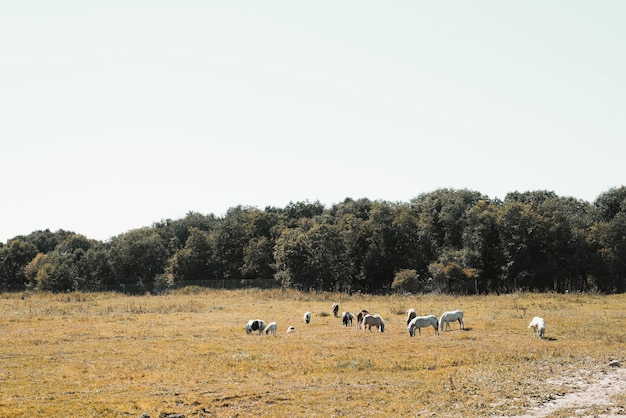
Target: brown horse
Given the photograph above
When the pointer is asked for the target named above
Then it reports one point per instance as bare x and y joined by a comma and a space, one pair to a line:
359, 318
410, 314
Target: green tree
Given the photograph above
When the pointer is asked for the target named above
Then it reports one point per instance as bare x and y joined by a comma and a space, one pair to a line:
258, 259
352, 218
537, 229
64, 268
611, 237
406, 280
517, 223
13, 259
177, 231
291, 260
482, 246
95, 268
313, 256
196, 261
451, 276
57, 273
381, 257
442, 217
138, 257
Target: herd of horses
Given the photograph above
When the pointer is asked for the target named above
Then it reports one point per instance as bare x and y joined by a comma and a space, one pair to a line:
414, 322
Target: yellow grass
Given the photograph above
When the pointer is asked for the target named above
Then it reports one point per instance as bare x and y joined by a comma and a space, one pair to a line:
81, 355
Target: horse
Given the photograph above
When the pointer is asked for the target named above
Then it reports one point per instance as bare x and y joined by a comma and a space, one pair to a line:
410, 314
335, 309
307, 317
271, 328
451, 316
538, 325
373, 320
255, 325
346, 319
423, 321
359, 317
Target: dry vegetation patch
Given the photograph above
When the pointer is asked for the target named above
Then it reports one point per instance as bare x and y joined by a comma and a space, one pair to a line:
187, 353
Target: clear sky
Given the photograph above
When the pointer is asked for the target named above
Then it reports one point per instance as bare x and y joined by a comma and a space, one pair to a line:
117, 114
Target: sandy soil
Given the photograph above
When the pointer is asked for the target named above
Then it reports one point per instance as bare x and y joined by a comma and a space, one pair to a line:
591, 389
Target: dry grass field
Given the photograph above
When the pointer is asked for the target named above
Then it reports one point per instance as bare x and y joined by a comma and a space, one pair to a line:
187, 354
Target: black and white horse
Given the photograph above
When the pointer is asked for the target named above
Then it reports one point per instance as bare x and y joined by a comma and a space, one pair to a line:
346, 319
255, 325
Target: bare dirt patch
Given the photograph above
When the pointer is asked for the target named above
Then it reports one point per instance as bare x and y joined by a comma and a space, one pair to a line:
587, 393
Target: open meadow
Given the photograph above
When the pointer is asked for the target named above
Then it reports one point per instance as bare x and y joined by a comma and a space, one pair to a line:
187, 354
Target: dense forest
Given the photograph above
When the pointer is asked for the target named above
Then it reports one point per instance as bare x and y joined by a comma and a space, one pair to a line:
453, 241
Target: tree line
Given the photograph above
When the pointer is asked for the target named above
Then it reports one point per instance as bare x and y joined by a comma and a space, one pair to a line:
453, 241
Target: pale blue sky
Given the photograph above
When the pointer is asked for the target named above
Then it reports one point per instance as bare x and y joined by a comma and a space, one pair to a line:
117, 114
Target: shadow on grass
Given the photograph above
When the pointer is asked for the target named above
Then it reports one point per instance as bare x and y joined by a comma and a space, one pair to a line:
457, 330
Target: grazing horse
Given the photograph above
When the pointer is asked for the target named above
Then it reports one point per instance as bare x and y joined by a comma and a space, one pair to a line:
420, 322
255, 325
271, 328
373, 320
307, 317
359, 318
410, 314
346, 319
538, 325
335, 309
451, 316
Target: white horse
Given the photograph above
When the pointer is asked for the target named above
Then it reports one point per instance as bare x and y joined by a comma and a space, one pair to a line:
255, 325
420, 322
538, 325
451, 316
346, 319
335, 309
307, 317
373, 320
271, 328
410, 314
